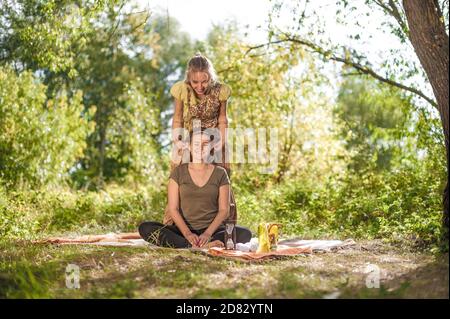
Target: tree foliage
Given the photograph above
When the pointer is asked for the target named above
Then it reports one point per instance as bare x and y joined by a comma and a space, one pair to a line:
41, 139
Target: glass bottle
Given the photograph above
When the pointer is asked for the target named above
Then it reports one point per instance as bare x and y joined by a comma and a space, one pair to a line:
230, 235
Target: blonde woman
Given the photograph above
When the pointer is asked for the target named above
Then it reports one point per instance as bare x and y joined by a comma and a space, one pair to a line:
200, 98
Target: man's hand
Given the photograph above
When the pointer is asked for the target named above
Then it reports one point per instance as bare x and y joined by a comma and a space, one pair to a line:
203, 239
192, 239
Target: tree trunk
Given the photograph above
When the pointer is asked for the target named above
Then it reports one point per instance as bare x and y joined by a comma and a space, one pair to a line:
430, 41
102, 151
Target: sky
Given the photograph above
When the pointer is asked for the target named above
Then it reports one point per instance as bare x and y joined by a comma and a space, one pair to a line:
197, 16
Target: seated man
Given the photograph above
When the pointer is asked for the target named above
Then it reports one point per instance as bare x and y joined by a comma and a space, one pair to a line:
198, 203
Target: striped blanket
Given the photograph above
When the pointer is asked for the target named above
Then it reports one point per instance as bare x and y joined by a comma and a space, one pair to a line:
288, 247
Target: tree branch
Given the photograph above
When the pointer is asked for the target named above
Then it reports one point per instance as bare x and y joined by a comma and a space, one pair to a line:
361, 68
147, 16
398, 16
393, 10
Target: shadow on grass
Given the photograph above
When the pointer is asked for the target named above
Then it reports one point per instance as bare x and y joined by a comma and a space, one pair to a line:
430, 281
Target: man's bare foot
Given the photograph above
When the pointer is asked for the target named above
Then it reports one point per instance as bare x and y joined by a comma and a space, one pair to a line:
215, 243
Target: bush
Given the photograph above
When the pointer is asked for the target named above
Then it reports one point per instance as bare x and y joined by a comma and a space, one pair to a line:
40, 139
34, 214
401, 205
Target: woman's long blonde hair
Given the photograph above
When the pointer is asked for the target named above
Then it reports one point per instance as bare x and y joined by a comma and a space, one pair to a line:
200, 63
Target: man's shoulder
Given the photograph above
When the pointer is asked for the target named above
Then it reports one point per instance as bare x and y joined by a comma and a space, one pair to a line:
221, 170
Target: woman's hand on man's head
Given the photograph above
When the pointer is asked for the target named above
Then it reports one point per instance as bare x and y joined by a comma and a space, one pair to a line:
218, 145
181, 145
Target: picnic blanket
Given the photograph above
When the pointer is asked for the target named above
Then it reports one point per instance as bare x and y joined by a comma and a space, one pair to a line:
288, 247
110, 239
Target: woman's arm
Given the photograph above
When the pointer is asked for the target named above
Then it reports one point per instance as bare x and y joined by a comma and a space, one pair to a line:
177, 114
177, 131
223, 121
222, 214
173, 208
177, 120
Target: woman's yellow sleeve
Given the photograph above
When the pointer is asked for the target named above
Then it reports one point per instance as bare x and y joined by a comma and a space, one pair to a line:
225, 92
177, 90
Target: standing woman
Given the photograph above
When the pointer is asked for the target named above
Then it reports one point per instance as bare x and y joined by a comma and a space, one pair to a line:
201, 97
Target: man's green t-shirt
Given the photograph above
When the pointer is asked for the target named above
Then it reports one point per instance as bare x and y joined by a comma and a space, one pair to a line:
199, 205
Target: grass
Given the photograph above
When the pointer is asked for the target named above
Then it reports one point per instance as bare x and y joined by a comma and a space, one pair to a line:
38, 271
418, 269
